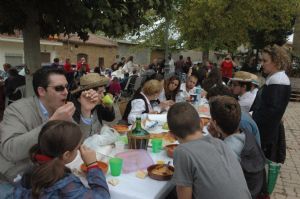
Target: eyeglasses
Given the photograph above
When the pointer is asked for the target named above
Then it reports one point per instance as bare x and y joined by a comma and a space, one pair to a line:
60, 88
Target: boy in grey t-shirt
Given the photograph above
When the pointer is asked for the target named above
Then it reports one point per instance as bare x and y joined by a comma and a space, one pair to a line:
204, 166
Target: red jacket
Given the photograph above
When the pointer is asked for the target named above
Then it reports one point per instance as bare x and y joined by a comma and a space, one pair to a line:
68, 68
227, 68
79, 65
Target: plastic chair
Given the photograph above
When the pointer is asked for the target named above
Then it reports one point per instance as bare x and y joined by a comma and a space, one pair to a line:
21, 89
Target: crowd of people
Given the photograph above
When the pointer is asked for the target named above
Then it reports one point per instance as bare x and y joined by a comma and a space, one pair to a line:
42, 133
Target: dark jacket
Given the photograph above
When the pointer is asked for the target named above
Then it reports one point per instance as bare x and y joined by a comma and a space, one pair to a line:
11, 83
253, 164
268, 109
269, 106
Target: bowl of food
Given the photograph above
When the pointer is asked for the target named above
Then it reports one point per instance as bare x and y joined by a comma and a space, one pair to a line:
102, 165
121, 128
160, 172
170, 149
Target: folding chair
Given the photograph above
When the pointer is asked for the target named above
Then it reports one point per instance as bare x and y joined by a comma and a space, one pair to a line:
21, 89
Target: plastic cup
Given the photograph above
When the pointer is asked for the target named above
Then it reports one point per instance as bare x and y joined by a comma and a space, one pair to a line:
115, 166
124, 139
156, 145
273, 172
107, 100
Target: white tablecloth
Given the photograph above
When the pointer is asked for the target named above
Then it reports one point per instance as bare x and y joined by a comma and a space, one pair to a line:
131, 187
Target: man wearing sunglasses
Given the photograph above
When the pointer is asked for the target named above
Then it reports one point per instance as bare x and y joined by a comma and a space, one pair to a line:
24, 118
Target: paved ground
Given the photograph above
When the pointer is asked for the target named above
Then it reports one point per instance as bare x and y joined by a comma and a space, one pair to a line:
288, 184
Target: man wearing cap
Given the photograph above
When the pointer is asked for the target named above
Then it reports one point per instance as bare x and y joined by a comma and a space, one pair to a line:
241, 87
23, 119
102, 111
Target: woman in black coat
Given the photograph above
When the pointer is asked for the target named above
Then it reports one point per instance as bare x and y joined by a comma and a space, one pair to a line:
271, 101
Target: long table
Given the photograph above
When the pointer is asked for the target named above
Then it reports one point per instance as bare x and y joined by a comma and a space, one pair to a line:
131, 187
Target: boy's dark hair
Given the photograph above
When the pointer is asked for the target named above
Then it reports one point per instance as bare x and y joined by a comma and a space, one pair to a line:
218, 89
226, 111
183, 119
41, 77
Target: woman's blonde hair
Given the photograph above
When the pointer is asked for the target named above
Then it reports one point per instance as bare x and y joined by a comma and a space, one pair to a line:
152, 87
279, 56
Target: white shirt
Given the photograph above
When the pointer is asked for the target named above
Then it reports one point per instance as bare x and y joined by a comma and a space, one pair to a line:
278, 78
138, 106
254, 92
171, 66
162, 96
246, 100
128, 67
185, 92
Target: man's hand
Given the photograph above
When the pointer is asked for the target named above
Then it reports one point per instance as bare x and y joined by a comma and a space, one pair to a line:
64, 112
88, 100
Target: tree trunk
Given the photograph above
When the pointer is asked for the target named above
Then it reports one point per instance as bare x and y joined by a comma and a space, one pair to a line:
166, 38
205, 55
296, 39
32, 49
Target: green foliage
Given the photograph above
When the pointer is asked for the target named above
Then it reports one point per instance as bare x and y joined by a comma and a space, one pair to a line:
113, 17
226, 24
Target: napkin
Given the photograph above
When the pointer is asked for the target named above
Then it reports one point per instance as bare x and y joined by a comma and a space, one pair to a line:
158, 117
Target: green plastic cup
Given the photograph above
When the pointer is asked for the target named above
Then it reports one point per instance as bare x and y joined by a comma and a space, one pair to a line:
124, 139
115, 166
156, 145
107, 100
273, 172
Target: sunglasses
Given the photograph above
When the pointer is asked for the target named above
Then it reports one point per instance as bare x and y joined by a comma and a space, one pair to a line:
60, 88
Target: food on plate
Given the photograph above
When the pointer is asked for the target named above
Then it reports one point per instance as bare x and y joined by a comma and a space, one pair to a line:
141, 174
162, 170
160, 162
170, 149
167, 137
102, 165
165, 126
113, 181
204, 109
121, 128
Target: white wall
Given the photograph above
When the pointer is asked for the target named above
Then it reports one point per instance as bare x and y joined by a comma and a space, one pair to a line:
14, 48
140, 55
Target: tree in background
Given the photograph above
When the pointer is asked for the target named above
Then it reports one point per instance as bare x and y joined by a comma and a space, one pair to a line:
226, 24
41, 18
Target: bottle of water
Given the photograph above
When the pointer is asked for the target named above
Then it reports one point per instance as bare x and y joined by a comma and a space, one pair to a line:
198, 93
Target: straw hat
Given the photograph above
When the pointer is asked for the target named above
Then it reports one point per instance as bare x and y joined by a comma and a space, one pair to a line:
242, 76
255, 80
91, 80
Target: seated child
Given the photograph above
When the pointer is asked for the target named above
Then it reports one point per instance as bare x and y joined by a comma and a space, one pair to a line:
57, 146
204, 166
226, 115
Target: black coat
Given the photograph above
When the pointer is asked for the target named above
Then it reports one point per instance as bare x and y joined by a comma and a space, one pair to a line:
268, 109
